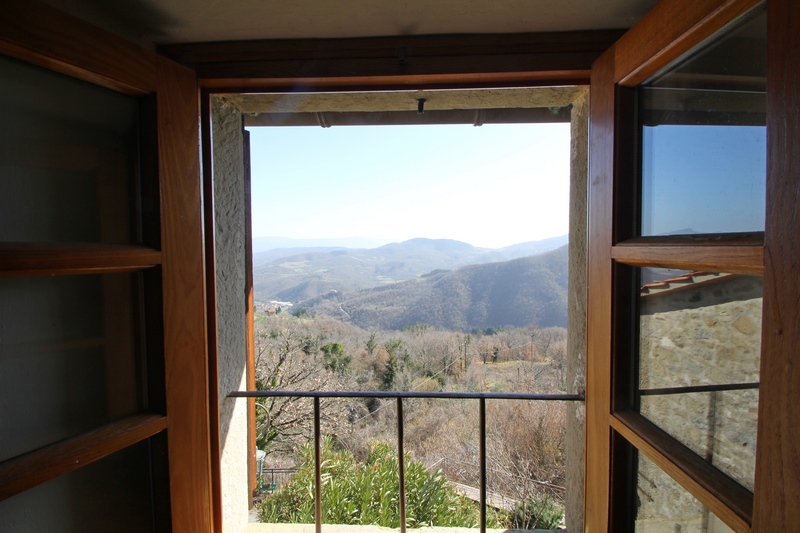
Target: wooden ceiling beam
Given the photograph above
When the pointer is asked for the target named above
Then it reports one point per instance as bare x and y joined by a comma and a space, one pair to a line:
422, 60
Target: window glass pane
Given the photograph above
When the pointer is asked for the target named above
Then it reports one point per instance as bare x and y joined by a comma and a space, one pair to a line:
704, 139
666, 507
67, 158
699, 355
68, 357
112, 494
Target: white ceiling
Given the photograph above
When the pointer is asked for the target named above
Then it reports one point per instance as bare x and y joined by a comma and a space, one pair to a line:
175, 21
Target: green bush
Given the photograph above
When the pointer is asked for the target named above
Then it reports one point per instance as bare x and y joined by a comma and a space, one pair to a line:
536, 513
367, 493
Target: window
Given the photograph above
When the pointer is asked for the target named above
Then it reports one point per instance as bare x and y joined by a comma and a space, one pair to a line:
682, 368
689, 340
227, 121
80, 358
102, 327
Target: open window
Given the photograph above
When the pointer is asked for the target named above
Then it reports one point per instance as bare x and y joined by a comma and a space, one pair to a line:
229, 112
102, 331
679, 322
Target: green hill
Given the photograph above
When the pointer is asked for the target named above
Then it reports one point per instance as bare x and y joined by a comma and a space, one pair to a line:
301, 274
530, 290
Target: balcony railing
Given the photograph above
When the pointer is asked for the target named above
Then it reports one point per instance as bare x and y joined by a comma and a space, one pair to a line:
400, 396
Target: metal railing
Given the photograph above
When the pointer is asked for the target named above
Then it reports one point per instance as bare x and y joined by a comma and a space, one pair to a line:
270, 479
400, 396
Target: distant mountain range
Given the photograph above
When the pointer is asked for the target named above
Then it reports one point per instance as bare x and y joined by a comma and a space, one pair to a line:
263, 244
530, 290
302, 273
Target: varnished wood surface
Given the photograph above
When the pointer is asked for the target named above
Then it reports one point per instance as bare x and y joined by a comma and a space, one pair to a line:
668, 31
473, 80
249, 317
731, 502
598, 335
731, 259
313, 67
38, 33
672, 28
39, 466
389, 47
562, 55
40, 259
186, 359
777, 489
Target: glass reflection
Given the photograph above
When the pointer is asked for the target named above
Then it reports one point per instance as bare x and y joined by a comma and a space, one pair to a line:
699, 356
704, 139
68, 159
68, 357
666, 507
112, 494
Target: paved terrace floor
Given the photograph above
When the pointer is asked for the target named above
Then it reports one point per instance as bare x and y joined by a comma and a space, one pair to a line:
337, 528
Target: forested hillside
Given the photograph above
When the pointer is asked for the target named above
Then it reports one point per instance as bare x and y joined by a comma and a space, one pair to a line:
521, 292
301, 274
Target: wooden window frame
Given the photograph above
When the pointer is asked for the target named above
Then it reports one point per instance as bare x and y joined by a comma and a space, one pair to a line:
46, 37
41, 35
371, 64
666, 33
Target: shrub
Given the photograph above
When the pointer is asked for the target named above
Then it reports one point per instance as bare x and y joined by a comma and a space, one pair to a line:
367, 493
536, 513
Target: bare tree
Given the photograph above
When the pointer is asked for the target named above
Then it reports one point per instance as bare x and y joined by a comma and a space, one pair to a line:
290, 359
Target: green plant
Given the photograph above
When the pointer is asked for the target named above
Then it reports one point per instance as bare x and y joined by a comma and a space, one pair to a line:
336, 360
301, 312
368, 493
536, 513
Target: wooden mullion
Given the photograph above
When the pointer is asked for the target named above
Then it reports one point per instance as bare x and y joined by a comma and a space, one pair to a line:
732, 259
727, 499
184, 299
777, 483
35, 259
250, 348
211, 306
39, 466
602, 134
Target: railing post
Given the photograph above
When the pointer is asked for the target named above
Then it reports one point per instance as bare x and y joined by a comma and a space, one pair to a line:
482, 452
402, 465
317, 469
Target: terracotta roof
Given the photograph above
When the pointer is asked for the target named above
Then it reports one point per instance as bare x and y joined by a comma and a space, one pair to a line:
680, 282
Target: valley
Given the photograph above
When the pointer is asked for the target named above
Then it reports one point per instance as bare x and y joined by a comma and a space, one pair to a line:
449, 326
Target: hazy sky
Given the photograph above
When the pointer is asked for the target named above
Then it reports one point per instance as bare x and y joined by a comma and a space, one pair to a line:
490, 186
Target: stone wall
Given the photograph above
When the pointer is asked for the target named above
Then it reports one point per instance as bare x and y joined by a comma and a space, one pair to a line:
576, 311
704, 333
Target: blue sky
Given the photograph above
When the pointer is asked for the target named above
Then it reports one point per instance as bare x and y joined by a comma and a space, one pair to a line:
710, 179
491, 186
